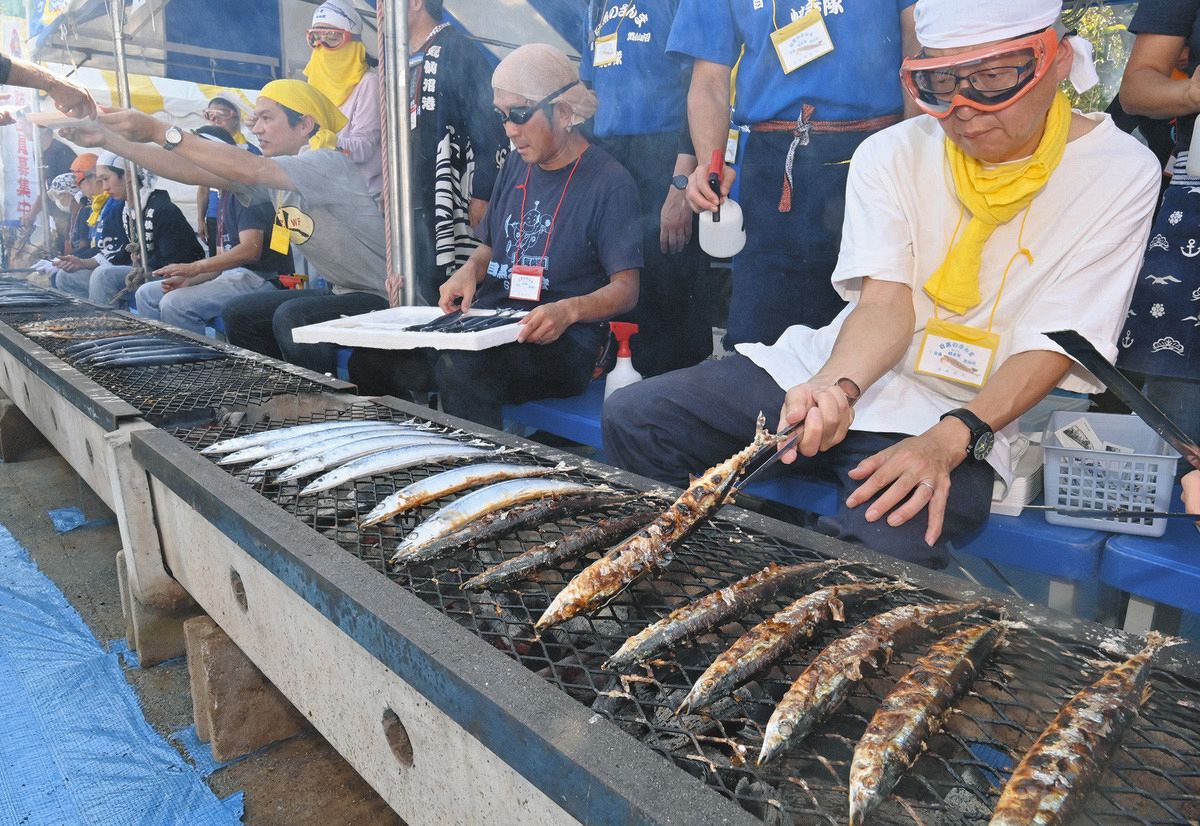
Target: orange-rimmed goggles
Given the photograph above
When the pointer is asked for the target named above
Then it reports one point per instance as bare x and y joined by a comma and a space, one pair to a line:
988, 79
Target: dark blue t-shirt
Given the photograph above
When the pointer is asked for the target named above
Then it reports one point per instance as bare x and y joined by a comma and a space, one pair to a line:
261, 216
597, 232
644, 90
109, 235
1175, 18
859, 79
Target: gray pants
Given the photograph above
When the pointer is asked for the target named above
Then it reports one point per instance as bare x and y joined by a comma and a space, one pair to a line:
686, 421
75, 283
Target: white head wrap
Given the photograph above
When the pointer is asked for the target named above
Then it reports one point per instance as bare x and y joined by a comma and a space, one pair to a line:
535, 70
953, 24
340, 14
146, 178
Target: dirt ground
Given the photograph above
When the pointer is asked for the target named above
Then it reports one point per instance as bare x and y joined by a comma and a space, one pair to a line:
300, 782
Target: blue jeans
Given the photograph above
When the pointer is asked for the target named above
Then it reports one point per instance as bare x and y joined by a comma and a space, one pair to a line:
194, 307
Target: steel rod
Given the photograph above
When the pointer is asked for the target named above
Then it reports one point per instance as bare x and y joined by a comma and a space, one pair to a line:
398, 146
133, 192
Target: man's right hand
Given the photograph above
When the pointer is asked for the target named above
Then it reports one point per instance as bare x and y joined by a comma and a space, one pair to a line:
461, 285
824, 409
68, 263
85, 134
1191, 492
72, 99
700, 196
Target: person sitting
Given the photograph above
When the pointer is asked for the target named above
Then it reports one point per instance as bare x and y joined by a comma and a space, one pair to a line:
321, 205
970, 231
222, 113
191, 295
340, 68
109, 240
561, 239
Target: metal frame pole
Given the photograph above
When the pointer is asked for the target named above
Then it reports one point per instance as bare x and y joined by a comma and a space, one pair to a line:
116, 10
397, 143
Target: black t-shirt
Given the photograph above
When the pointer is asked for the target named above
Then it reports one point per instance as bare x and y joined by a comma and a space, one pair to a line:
596, 234
1177, 18
170, 239
236, 217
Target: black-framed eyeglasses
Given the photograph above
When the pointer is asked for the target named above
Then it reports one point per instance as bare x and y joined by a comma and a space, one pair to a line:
521, 115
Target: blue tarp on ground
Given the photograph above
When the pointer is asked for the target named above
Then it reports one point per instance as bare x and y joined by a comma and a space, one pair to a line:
74, 744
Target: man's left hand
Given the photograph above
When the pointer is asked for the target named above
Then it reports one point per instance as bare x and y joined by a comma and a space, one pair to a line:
545, 323
72, 99
675, 227
85, 134
134, 126
917, 469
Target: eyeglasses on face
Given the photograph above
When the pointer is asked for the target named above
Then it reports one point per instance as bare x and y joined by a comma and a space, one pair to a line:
213, 115
990, 82
329, 38
521, 115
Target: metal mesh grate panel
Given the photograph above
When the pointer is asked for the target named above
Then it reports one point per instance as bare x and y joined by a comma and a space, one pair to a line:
1154, 777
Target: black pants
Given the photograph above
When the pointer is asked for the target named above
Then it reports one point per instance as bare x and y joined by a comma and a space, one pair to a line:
475, 385
263, 322
677, 297
684, 422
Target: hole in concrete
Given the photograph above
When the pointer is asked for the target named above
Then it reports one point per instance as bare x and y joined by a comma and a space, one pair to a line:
397, 738
239, 589
87, 448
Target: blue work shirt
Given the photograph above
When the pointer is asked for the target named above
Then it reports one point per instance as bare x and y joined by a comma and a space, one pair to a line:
859, 79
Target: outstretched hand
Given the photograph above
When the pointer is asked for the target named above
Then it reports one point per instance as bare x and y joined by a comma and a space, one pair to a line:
85, 134
134, 126
72, 99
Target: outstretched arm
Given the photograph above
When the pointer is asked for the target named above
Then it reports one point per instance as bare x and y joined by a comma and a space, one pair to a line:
148, 156
70, 98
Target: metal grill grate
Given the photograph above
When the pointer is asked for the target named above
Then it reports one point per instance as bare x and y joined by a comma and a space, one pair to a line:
168, 393
1153, 779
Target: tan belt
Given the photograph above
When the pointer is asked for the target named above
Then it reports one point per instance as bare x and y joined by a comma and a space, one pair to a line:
800, 129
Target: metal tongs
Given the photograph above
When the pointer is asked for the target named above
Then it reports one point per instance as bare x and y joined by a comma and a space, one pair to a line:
733, 487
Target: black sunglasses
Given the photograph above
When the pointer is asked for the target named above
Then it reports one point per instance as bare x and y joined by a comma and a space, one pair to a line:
521, 115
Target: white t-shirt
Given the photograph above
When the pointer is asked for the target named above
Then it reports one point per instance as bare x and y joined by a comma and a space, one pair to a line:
1087, 230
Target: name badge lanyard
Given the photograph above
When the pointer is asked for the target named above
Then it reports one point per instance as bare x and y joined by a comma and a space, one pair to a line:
526, 281
959, 352
281, 240
605, 49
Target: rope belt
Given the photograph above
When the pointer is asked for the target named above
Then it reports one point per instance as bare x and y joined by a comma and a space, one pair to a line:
800, 130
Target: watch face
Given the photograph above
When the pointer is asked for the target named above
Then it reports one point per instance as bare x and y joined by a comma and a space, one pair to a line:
680, 181
173, 134
983, 445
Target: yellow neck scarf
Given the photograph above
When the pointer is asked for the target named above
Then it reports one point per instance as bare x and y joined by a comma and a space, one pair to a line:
337, 71
98, 202
994, 196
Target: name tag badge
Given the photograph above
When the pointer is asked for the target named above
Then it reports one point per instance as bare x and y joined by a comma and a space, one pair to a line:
731, 146
957, 352
802, 41
525, 283
281, 239
605, 52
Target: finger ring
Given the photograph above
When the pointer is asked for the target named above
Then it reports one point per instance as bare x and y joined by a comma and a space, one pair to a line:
928, 483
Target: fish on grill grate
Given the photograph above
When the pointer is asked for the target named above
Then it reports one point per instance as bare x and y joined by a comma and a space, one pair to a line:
1058, 771
654, 546
599, 534
822, 687
181, 356
396, 459
443, 484
283, 452
87, 351
712, 610
913, 711
368, 444
773, 639
469, 520
269, 436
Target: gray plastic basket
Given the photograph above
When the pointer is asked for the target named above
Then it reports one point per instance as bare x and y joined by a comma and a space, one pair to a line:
1079, 478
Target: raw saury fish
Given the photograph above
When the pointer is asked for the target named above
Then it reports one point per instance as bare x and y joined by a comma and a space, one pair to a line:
152, 359
287, 452
712, 610
913, 711
466, 509
1058, 772
264, 436
370, 443
820, 689
443, 484
599, 534
654, 546
392, 460
773, 639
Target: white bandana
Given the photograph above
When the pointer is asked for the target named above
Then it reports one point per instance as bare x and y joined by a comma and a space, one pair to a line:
340, 14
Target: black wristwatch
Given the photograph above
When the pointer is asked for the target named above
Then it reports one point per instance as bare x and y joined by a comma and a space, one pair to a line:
982, 435
679, 181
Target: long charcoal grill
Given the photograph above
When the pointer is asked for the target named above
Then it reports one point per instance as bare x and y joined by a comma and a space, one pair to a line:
1153, 779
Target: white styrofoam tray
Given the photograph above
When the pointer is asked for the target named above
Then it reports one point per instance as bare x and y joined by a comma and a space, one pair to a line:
384, 330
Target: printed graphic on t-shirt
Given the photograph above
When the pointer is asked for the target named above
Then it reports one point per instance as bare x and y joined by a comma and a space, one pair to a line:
298, 223
532, 233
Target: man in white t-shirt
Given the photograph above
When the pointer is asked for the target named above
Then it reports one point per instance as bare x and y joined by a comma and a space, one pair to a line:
970, 231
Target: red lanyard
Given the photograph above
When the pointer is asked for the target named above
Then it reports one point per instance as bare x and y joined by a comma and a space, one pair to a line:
525, 193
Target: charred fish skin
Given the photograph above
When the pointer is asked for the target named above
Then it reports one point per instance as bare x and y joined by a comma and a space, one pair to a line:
653, 546
448, 482
822, 687
498, 524
712, 610
913, 711
771, 640
1058, 771
572, 546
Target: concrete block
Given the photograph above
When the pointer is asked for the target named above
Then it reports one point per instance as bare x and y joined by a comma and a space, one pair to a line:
244, 710
156, 634
17, 433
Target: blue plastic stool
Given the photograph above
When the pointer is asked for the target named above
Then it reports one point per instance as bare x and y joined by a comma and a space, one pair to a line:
807, 494
1154, 570
576, 418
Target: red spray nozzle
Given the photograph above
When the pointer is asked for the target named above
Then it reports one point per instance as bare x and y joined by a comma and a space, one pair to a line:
715, 167
623, 331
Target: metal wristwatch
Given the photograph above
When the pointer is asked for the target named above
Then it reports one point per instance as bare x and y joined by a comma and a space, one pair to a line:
982, 435
679, 181
172, 138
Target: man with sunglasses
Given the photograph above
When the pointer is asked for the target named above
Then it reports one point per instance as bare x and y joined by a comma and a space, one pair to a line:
968, 234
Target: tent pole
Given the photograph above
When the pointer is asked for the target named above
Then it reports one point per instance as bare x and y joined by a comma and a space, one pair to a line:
132, 190
397, 145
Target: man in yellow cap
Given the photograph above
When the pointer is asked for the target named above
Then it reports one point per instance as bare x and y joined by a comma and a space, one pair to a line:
996, 216
322, 208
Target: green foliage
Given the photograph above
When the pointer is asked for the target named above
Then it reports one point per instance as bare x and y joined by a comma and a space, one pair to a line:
1106, 27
